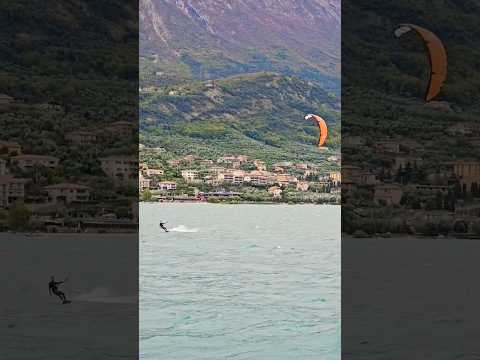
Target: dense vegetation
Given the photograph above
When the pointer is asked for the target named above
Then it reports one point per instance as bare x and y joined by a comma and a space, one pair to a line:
256, 114
375, 58
383, 84
384, 78
205, 65
75, 53
230, 81
68, 65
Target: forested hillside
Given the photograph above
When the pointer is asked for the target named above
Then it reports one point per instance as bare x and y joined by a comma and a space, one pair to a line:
377, 60
222, 77
385, 78
75, 53
249, 111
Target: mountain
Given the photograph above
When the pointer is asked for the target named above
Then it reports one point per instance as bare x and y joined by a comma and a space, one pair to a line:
205, 39
376, 60
260, 113
222, 76
67, 66
384, 80
78, 53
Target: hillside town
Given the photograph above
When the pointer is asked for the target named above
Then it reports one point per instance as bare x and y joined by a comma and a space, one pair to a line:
72, 184
403, 192
237, 178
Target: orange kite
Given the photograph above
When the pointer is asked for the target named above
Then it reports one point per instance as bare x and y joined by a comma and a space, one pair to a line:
322, 127
437, 57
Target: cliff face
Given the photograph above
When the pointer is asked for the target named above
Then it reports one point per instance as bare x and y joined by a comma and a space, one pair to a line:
307, 30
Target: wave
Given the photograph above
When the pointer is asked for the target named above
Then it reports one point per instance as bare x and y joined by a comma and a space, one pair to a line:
183, 228
103, 295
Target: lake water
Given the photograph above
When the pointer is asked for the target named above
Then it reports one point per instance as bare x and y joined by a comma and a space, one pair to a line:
102, 320
240, 282
410, 298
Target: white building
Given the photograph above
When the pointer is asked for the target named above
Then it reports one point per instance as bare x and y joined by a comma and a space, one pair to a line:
167, 185
259, 178
388, 146
233, 177
28, 162
260, 165
190, 175
285, 179
144, 184
11, 190
335, 177
302, 186
67, 193
153, 172
122, 169
275, 191
81, 137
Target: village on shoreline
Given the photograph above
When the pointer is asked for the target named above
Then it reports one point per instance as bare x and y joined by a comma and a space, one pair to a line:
396, 189
236, 179
76, 179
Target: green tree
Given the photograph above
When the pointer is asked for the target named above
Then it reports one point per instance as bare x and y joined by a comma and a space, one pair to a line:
18, 218
146, 195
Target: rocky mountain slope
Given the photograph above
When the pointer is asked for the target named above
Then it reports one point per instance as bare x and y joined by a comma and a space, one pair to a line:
272, 62
213, 38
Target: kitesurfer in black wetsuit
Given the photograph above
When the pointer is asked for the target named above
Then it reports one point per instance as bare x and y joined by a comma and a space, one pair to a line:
162, 225
53, 288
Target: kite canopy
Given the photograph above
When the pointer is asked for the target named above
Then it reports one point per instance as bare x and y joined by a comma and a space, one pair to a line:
437, 57
322, 127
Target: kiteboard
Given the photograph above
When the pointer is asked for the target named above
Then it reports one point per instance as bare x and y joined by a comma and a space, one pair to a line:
66, 301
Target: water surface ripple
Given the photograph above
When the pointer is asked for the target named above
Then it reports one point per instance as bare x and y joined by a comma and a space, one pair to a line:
240, 282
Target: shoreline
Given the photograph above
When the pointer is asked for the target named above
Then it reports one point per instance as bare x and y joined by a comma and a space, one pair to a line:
234, 203
405, 236
86, 236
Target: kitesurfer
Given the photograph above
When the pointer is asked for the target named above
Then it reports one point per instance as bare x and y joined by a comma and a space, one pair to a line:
162, 225
53, 288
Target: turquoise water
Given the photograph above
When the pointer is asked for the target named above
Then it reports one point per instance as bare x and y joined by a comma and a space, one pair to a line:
240, 282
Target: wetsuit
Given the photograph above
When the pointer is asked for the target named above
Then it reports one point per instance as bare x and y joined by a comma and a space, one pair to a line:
52, 288
162, 225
